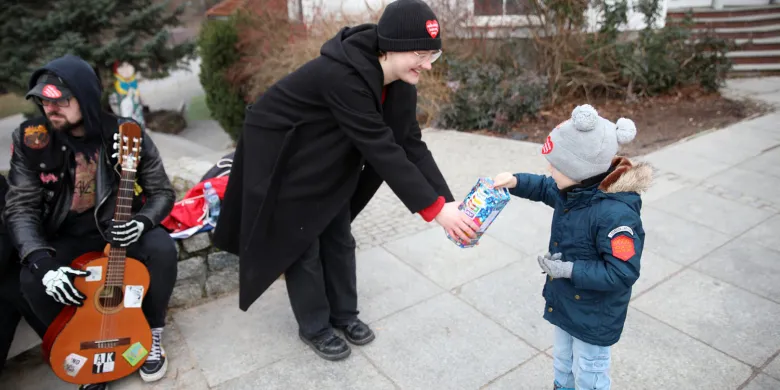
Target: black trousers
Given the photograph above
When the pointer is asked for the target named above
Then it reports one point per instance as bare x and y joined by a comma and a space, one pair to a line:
322, 284
155, 249
13, 307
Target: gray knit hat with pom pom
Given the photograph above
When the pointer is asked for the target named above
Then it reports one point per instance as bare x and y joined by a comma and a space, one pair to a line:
584, 145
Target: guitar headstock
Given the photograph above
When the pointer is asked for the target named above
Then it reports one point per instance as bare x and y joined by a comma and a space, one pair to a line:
128, 145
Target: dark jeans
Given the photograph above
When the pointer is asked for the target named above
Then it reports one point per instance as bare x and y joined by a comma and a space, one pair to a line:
13, 307
322, 282
155, 249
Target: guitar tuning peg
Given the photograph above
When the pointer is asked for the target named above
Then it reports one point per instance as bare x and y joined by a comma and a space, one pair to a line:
116, 145
115, 155
116, 136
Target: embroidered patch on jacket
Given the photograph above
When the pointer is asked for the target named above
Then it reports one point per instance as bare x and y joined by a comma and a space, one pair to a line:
51, 92
36, 137
548, 146
433, 28
623, 247
620, 229
47, 178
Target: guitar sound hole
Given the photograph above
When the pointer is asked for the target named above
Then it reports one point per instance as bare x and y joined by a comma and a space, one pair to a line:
111, 296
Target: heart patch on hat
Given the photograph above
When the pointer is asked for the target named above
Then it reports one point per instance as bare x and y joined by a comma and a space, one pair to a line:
51, 92
433, 28
548, 146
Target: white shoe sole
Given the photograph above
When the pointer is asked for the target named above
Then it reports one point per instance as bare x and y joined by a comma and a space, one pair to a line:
157, 375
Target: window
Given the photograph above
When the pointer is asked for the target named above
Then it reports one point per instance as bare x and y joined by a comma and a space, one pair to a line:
502, 7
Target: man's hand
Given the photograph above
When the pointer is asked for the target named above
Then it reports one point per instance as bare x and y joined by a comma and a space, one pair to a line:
126, 233
505, 179
456, 222
56, 279
553, 266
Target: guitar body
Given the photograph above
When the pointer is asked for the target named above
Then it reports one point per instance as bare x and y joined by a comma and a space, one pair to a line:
107, 338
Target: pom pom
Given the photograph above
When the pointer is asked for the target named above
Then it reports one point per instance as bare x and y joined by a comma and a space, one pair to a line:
584, 118
626, 130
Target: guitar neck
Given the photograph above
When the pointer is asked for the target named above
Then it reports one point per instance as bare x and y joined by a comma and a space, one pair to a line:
115, 274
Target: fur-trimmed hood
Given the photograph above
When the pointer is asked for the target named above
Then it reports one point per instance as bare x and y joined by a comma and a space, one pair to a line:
627, 177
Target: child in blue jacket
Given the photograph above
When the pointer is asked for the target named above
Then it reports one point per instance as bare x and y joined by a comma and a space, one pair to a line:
595, 244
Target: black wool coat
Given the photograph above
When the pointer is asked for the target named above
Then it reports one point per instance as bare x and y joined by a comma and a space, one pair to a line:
316, 142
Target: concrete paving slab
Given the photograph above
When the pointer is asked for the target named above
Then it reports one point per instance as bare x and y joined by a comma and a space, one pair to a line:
523, 225
740, 148
719, 314
674, 159
387, 285
534, 374
746, 264
654, 269
725, 216
749, 182
662, 186
767, 163
247, 341
431, 253
652, 355
443, 343
763, 382
773, 368
512, 296
678, 239
28, 371
313, 372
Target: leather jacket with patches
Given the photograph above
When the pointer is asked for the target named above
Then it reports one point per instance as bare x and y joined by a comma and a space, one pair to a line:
41, 184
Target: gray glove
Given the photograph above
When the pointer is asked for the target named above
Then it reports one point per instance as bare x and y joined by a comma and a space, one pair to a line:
553, 266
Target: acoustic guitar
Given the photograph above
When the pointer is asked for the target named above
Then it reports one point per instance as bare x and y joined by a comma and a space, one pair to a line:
108, 337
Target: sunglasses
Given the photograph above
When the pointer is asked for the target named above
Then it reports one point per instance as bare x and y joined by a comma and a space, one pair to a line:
47, 103
430, 56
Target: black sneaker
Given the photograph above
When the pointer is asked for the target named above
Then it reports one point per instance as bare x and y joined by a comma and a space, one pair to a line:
328, 346
97, 386
357, 332
156, 365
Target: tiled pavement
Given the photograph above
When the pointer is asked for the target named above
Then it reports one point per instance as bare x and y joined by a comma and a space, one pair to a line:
704, 314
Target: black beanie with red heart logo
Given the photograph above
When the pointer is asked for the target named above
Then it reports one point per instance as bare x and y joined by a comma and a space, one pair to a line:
408, 25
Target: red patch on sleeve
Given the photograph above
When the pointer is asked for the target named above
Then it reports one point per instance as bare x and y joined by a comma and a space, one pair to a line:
623, 247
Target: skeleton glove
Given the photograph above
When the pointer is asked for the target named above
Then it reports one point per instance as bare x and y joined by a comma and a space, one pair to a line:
126, 233
57, 279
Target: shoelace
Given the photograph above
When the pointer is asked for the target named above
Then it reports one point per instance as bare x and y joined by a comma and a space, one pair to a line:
156, 352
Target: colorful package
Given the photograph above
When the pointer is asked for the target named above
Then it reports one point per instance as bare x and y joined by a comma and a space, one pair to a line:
482, 205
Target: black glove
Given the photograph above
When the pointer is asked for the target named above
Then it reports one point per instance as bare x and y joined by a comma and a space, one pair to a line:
126, 233
55, 278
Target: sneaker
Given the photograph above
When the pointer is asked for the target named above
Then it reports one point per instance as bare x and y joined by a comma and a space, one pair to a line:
328, 346
357, 332
156, 365
97, 386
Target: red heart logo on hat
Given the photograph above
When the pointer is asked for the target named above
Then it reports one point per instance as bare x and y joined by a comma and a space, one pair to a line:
433, 28
51, 92
548, 146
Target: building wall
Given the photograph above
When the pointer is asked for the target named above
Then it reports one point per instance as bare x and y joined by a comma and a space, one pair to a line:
314, 9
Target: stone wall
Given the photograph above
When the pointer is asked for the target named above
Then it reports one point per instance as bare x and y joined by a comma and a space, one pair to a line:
204, 272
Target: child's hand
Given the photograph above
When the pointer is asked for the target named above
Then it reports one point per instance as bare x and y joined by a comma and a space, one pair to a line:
504, 179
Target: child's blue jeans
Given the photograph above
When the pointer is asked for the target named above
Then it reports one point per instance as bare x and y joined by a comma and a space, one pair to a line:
579, 363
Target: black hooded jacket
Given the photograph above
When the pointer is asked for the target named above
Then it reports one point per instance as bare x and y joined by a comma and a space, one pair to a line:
41, 178
318, 141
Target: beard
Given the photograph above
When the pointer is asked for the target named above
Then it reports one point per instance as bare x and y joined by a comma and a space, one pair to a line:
67, 126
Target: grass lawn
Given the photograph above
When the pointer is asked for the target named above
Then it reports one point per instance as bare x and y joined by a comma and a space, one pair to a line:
11, 104
198, 110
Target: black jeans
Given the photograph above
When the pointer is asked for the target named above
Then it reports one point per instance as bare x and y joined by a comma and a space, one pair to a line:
155, 249
322, 284
13, 307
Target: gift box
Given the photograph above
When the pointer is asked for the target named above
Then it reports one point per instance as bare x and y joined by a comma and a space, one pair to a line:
482, 205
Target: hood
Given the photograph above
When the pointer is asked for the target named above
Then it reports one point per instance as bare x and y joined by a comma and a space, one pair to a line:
627, 177
358, 48
83, 83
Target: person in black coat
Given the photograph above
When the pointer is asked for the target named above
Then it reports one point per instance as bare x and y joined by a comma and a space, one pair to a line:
13, 306
315, 147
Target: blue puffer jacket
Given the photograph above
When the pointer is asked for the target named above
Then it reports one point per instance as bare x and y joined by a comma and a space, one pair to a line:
597, 226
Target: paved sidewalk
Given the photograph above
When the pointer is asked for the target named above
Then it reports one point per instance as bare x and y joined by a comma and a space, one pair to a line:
704, 312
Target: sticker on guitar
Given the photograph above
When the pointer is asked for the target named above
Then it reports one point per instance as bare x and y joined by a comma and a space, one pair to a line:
133, 296
73, 364
103, 362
